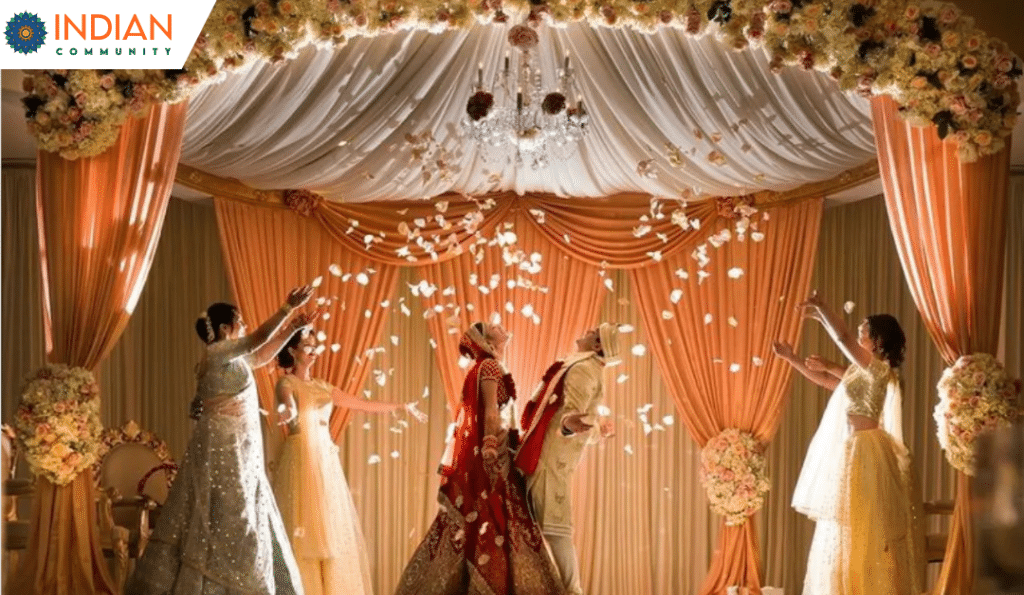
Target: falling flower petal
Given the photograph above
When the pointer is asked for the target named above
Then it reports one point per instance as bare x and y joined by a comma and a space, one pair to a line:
321, 336
734, 368
735, 273
394, 454
757, 361
335, 347
628, 449
848, 307
373, 460
733, 322
641, 230
668, 420
335, 270
625, 328
666, 315
320, 349
603, 410
622, 378
708, 318
362, 279
639, 350
609, 284
757, 236
316, 282
676, 295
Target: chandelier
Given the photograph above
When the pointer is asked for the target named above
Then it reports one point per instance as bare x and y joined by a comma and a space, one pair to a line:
519, 121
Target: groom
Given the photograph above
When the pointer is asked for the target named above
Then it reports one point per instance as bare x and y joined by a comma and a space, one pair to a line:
557, 423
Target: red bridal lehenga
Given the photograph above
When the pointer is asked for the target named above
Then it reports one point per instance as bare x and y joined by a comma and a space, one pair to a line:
483, 540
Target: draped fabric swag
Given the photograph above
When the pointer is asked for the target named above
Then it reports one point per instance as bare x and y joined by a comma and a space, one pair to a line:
949, 222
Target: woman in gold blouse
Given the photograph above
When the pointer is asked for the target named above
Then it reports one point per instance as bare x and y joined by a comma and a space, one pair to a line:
857, 483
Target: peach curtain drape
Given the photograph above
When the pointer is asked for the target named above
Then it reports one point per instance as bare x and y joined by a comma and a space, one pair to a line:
99, 222
576, 243
714, 352
949, 222
268, 251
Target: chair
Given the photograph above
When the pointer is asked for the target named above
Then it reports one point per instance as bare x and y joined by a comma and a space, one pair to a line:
935, 543
133, 474
16, 530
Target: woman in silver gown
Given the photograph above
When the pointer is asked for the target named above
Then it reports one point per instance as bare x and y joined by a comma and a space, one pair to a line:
220, 531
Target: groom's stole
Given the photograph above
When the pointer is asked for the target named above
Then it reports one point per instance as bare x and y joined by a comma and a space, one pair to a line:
537, 416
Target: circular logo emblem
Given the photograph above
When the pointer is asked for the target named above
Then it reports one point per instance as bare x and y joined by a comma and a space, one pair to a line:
25, 33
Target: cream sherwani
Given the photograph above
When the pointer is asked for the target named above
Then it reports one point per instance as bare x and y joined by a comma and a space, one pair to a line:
549, 485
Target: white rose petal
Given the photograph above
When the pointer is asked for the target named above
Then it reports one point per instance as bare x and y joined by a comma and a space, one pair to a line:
316, 282
639, 350
666, 315
335, 347
734, 368
733, 322
735, 273
628, 449
676, 295
373, 460
708, 318
362, 279
603, 410
622, 378
848, 307
668, 420
625, 328
394, 454
757, 361
757, 236
335, 270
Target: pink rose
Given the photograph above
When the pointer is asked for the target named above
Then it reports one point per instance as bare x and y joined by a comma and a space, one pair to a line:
969, 62
919, 82
523, 37
1001, 81
1004, 64
933, 50
107, 81
973, 42
948, 15
263, 8
287, 7
230, 18
333, 5
609, 14
42, 118
912, 12
958, 105
781, 6
950, 38
73, 459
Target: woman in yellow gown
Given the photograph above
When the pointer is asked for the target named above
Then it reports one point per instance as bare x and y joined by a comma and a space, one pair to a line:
857, 483
312, 494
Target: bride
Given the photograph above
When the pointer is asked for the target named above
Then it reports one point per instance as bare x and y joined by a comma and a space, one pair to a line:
310, 485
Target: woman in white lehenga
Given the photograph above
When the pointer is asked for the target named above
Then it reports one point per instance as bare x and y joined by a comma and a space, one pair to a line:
857, 482
310, 485
220, 532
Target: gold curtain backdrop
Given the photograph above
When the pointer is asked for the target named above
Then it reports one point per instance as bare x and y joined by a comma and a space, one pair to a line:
647, 526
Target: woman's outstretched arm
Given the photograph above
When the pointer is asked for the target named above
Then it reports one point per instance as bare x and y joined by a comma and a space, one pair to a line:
815, 309
822, 378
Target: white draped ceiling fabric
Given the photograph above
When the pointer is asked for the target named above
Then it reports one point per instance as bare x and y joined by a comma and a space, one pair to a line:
335, 120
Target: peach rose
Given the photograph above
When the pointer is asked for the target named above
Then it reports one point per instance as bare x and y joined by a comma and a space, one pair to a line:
523, 37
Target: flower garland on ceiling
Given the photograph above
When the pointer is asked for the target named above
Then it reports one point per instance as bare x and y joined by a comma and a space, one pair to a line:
927, 55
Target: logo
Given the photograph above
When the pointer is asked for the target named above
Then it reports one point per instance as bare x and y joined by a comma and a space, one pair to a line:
25, 33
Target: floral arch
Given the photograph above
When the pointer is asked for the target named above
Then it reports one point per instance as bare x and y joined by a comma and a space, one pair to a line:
927, 55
